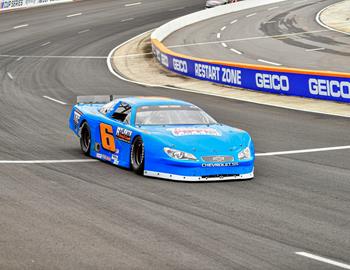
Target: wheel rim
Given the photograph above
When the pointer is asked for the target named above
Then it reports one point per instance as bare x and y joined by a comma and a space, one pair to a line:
138, 153
86, 139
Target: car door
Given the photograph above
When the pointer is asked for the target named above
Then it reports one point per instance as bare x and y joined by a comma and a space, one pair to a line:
116, 134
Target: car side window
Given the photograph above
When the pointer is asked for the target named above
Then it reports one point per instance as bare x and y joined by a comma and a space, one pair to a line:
122, 113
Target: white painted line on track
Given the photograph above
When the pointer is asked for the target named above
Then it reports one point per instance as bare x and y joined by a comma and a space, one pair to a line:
272, 8
248, 39
234, 21
20, 57
323, 259
10, 75
257, 155
47, 161
45, 44
250, 15
83, 31
127, 20
314, 50
224, 45
133, 4
319, 21
20, 26
314, 150
55, 56
268, 62
299, 2
55, 100
270, 22
235, 51
218, 35
176, 9
223, 28
74, 15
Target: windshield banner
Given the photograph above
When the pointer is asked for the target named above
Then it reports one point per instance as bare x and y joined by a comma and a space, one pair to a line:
302, 83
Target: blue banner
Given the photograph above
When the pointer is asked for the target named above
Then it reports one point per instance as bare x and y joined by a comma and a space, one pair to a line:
285, 83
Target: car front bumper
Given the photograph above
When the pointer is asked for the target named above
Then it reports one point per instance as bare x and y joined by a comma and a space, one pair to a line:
199, 178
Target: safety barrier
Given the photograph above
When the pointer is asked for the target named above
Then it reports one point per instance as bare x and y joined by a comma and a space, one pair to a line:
325, 85
16, 4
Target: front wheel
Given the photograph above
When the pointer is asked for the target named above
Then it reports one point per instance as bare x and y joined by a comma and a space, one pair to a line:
85, 139
137, 156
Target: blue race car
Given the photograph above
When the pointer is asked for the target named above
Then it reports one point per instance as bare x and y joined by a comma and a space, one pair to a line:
163, 138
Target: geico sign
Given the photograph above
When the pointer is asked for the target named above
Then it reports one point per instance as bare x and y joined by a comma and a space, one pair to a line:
329, 88
274, 82
180, 65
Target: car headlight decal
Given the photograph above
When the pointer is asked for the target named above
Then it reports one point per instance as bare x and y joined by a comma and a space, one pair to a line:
244, 154
179, 155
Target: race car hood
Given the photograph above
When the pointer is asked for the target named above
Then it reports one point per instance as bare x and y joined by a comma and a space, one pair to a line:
202, 139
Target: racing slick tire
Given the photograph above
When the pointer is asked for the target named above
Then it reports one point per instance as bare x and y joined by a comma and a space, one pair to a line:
85, 138
137, 156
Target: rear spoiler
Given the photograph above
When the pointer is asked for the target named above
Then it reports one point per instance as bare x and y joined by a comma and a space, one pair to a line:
97, 99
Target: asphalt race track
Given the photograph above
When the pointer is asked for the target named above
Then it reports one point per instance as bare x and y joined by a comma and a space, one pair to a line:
281, 34
92, 215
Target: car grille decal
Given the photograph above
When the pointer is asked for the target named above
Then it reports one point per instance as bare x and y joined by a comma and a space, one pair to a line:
218, 158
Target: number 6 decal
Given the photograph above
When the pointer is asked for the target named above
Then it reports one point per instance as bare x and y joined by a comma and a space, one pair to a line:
107, 138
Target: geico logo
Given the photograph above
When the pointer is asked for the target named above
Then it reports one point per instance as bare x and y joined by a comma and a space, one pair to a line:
165, 60
158, 55
180, 65
329, 88
274, 82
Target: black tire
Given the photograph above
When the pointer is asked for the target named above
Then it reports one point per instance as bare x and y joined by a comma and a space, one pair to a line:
85, 139
137, 156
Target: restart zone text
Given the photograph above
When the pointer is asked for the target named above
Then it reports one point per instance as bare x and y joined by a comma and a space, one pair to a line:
163, 138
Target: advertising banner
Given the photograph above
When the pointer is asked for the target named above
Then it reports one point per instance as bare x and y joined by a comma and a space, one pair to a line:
13, 4
296, 83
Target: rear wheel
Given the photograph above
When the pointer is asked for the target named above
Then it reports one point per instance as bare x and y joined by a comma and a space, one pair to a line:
85, 139
137, 156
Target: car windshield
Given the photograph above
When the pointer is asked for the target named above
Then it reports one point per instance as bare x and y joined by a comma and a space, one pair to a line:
172, 115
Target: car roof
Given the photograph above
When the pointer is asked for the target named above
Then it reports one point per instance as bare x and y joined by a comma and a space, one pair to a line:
152, 101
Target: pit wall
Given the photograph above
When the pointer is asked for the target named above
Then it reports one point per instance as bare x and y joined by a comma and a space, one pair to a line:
17, 4
325, 85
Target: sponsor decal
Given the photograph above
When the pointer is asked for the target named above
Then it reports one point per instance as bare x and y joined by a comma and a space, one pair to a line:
124, 134
329, 88
272, 82
215, 165
165, 60
180, 65
76, 117
8, 4
115, 158
158, 55
194, 131
218, 159
103, 157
